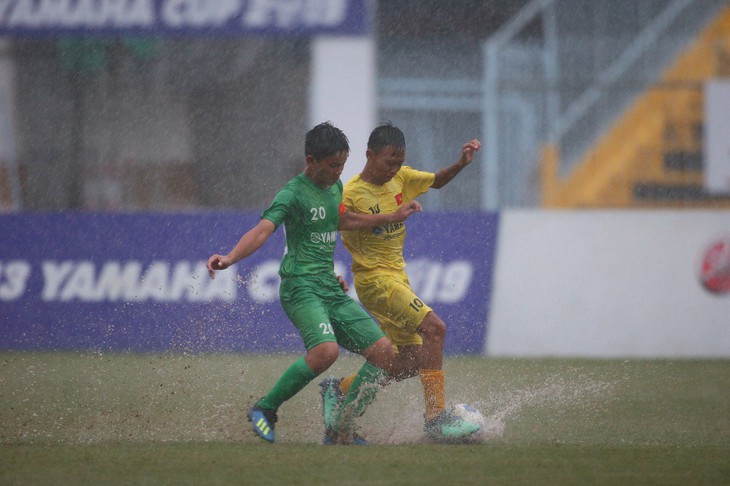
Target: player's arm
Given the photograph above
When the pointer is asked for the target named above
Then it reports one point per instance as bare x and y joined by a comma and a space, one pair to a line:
445, 175
350, 221
248, 244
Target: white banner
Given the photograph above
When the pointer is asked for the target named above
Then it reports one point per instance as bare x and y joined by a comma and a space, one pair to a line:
611, 284
717, 136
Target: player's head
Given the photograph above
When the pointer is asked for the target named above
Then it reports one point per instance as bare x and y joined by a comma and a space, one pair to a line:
387, 135
325, 139
386, 153
326, 148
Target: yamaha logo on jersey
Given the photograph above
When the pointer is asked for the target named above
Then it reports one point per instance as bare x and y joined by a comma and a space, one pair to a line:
326, 237
388, 228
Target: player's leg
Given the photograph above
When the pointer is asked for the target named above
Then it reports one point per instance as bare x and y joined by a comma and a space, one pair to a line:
419, 334
408, 361
357, 332
401, 366
299, 374
322, 351
433, 332
407, 365
440, 424
398, 312
424, 360
430, 364
369, 379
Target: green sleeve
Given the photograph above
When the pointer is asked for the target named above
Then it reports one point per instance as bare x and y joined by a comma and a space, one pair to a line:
280, 208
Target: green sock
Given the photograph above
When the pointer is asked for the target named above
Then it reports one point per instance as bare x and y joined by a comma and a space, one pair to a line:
362, 391
296, 377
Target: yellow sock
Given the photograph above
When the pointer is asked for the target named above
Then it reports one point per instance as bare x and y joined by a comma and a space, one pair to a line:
433, 391
346, 383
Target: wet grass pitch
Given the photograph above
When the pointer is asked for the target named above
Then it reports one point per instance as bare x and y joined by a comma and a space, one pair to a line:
100, 418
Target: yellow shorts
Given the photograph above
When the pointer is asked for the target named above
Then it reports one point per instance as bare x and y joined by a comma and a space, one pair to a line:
391, 301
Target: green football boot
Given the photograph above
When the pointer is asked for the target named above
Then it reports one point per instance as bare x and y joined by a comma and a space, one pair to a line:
446, 427
332, 397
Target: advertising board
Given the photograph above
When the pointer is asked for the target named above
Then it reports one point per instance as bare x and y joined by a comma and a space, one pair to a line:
612, 284
137, 282
187, 17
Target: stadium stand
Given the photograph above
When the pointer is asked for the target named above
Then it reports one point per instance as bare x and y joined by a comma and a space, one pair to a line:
652, 155
614, 88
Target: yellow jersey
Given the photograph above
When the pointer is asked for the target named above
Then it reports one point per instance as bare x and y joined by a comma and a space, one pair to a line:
381, 248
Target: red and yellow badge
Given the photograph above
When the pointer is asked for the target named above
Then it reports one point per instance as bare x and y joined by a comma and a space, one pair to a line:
342, 209
399, 198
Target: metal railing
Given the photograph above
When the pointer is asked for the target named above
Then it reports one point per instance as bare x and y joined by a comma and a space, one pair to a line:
560, 71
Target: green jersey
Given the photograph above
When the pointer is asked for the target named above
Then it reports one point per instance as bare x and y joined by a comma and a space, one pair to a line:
309, 292
310, 215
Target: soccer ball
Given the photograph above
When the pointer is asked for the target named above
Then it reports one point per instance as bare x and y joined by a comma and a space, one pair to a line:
471, 414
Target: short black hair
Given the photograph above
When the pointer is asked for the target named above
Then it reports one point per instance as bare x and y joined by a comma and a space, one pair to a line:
384, 135
324, 140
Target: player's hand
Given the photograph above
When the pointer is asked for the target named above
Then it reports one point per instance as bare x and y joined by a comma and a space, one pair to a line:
217, 262
406, 210
343, 283
469, 149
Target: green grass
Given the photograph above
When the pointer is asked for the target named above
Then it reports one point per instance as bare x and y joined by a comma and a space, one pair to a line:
86, 418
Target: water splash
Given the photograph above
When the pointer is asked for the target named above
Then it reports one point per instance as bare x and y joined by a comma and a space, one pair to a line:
501, 408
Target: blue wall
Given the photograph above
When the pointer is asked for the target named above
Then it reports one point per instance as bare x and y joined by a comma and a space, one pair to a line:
136, 282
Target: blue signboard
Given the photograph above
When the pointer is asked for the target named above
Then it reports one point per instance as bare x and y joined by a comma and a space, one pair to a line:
137, 282
184, 17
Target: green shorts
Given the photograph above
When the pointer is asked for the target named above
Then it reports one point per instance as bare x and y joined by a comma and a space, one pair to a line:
327, 314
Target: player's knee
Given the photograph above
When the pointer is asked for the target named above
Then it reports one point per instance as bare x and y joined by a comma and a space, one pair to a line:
382, 355
329, 353
322, 356
433, 328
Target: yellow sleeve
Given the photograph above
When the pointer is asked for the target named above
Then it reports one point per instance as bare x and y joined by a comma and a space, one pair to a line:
415, 182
